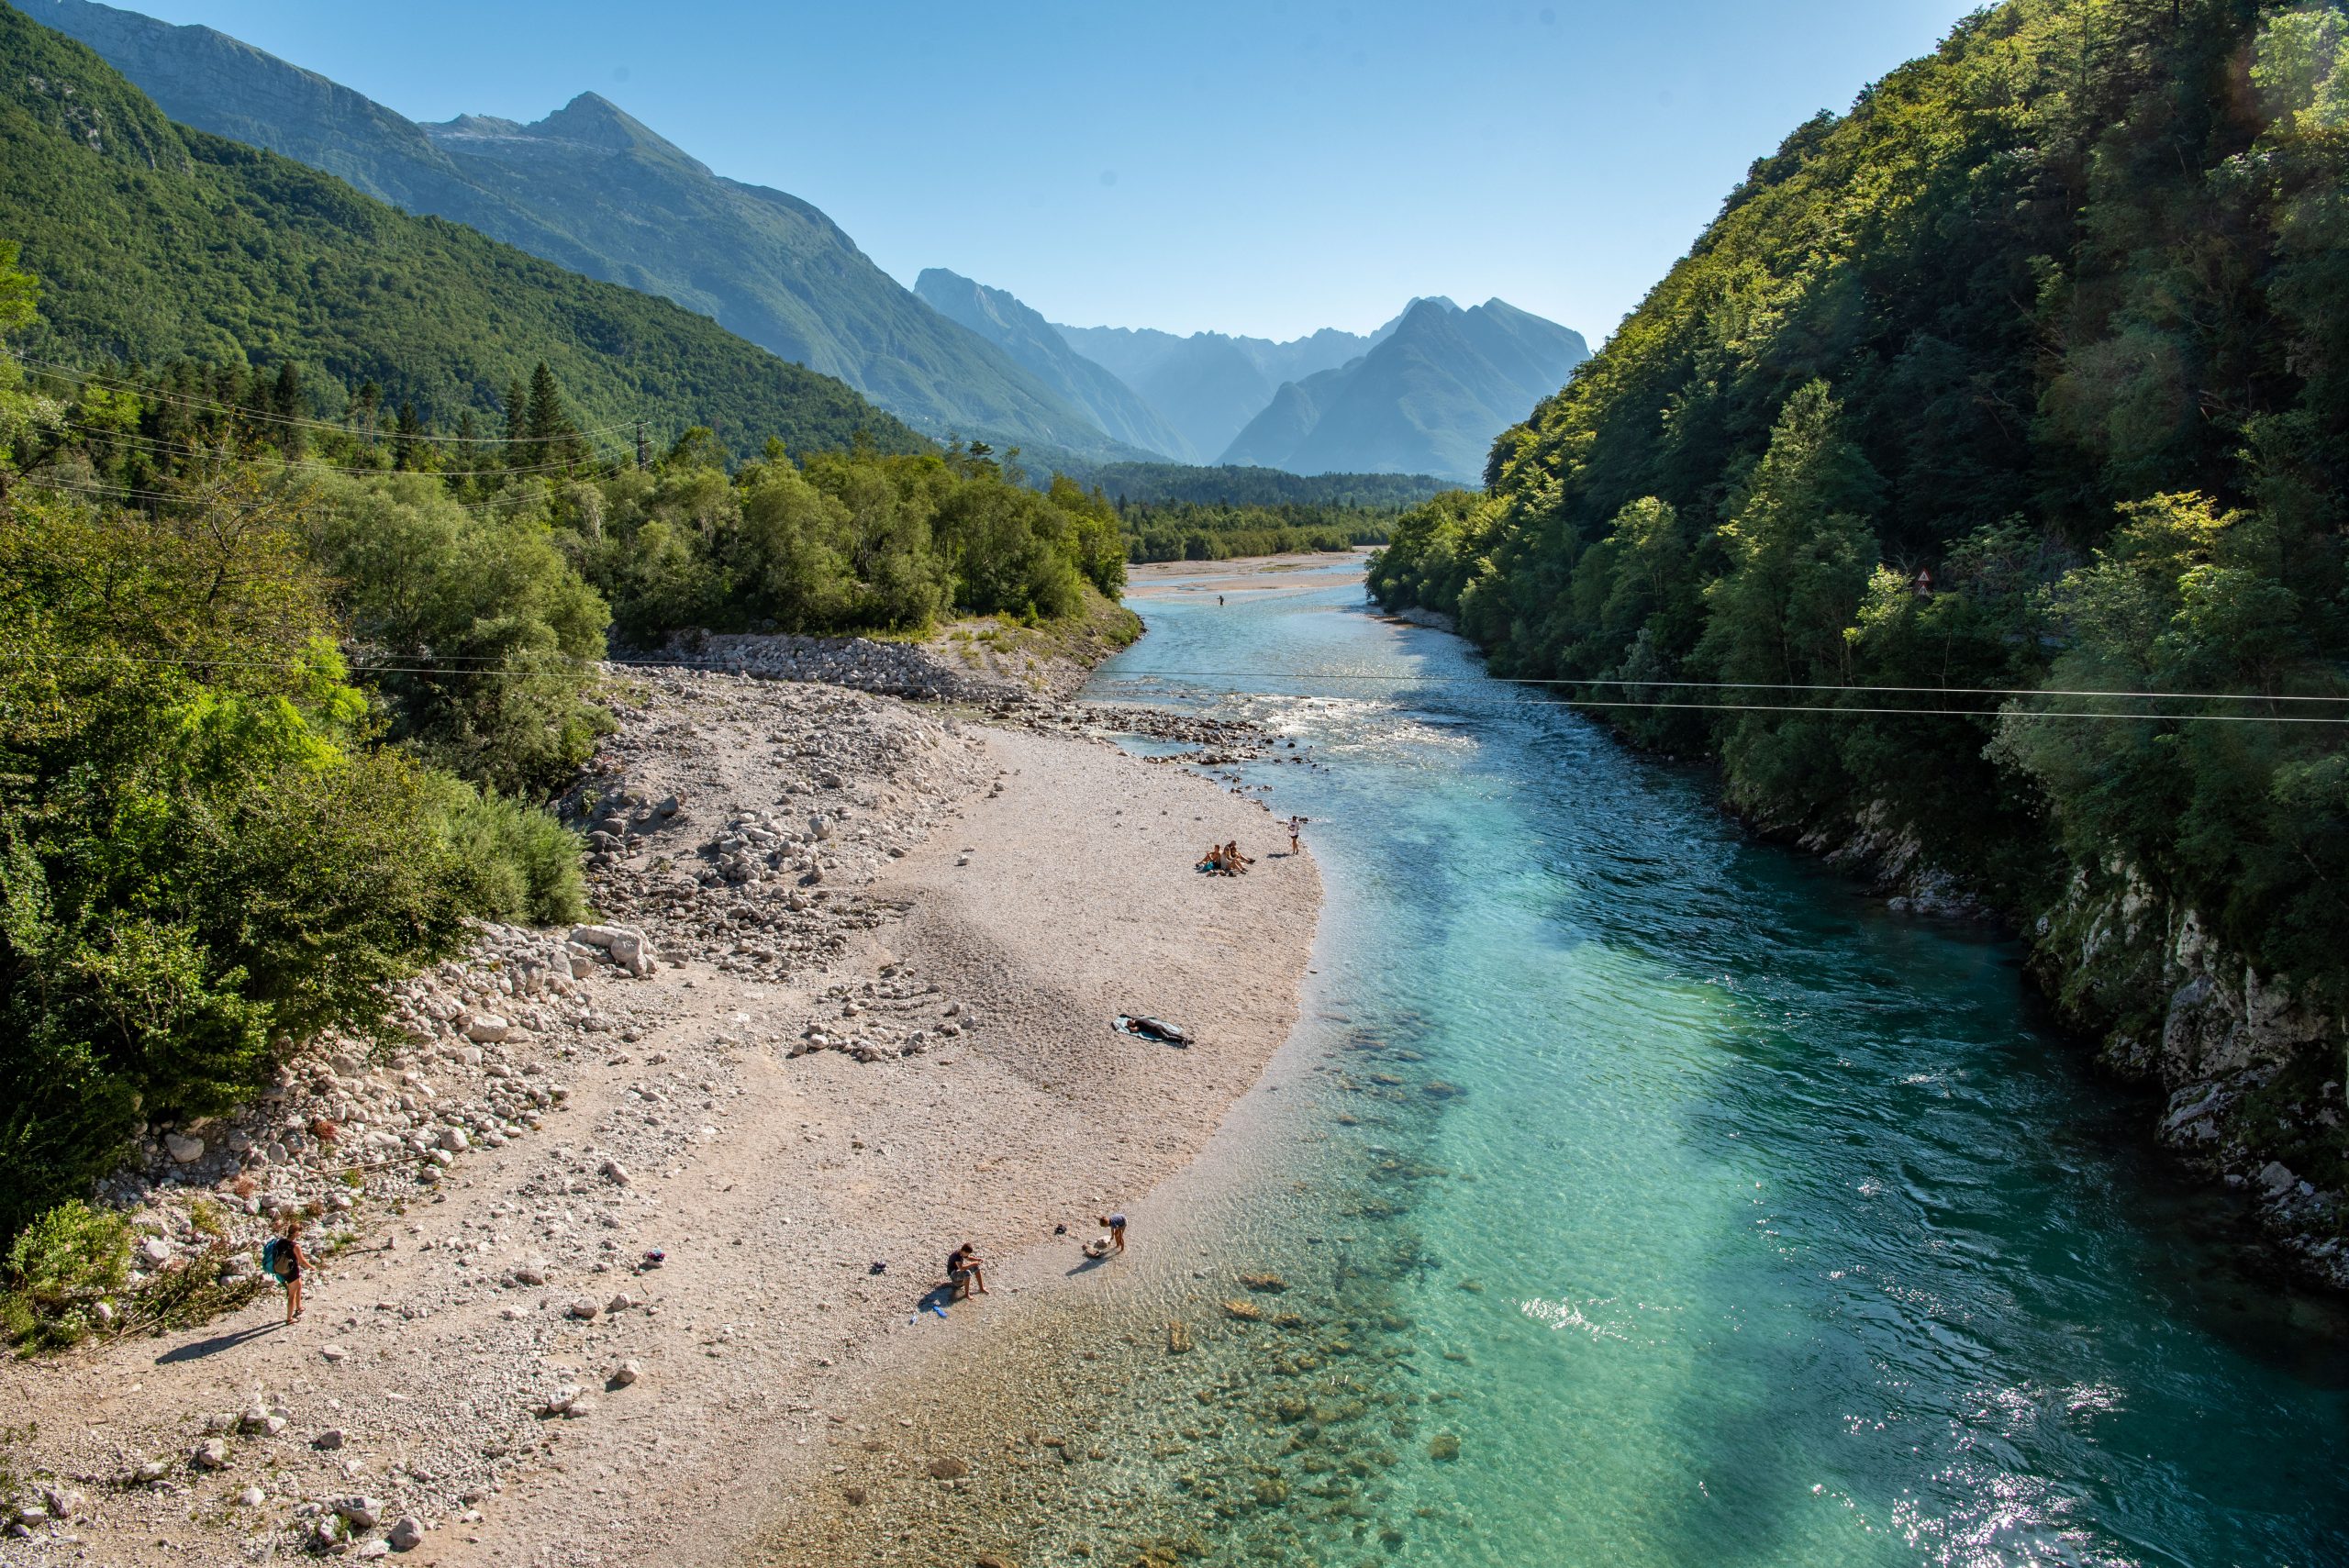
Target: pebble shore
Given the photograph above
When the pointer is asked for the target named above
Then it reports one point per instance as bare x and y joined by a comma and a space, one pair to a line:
619, 1212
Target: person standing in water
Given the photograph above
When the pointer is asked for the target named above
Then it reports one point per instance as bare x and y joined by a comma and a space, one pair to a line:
1115, 1225
1295, 823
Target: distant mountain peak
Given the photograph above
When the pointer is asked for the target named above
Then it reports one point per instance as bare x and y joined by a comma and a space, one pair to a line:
595, 120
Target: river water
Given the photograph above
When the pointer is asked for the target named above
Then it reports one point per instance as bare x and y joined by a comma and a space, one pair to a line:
1644, 1196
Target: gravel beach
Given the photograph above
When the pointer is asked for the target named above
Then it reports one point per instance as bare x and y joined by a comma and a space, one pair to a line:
847, 1005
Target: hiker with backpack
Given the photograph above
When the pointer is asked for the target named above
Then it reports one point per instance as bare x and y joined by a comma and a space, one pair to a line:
285, 1258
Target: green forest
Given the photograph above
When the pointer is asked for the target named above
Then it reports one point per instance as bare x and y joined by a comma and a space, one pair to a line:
159, 242
2030, 374
1186, 530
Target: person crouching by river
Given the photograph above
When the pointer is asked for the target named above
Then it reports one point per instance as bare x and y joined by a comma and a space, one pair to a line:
1115, 1224
964, 1272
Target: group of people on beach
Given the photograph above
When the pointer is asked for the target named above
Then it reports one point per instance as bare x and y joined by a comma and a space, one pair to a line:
1225, 860
966, 1271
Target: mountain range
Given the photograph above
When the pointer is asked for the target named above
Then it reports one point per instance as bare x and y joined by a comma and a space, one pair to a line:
1429, 398
1033, 343
596, 192
1208, 386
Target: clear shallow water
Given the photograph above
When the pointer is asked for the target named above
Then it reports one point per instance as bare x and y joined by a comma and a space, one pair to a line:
1716, 1216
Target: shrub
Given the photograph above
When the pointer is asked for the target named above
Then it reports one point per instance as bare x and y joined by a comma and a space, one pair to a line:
514, 862
61, 1266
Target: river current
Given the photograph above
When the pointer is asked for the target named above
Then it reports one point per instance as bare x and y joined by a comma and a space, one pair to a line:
1642, 1194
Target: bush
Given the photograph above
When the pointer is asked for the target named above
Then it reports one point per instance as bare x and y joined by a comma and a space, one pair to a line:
61, 1265
515, 863
489, 634
196, 859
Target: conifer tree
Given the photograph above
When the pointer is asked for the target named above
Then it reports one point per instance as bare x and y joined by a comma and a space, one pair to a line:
517, 425
551, 437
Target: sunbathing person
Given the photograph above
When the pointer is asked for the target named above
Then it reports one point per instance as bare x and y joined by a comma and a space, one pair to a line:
1234, 859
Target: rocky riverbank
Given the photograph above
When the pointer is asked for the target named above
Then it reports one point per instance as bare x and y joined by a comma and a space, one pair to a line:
629, 1207
2252, 1080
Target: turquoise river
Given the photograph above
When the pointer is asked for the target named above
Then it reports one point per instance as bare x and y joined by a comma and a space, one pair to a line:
1631, 1195
1715, 1215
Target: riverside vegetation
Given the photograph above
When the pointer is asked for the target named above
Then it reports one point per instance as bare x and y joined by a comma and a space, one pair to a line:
280, 692
2029, 373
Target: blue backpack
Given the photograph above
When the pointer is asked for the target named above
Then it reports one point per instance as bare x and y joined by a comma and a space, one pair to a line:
277, 1258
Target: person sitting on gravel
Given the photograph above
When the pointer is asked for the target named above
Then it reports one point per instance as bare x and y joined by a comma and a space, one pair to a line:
1233, 860
965, 1272
1212, 861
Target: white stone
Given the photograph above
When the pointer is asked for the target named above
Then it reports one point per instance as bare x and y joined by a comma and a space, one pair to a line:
328, 1440
361, 1512
212, 1453
155, 1250
454, 1139
487, 1027
530, 1271
185, 1150
407, 1535
252, 1496
627, 1371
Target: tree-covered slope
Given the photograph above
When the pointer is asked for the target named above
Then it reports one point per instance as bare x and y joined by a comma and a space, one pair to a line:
1002, 320
154, 241
2031, 370
594, 190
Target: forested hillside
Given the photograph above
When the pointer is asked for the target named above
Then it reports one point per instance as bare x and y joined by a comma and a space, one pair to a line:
592, 189
2030, 374
159, 242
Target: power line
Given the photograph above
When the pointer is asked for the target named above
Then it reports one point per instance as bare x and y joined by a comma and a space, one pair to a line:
462, 666
170, 449
184, 401
1721, 685
119, 493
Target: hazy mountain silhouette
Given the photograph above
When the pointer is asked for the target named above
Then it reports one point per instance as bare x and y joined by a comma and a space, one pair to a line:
1429, 398
1029, 339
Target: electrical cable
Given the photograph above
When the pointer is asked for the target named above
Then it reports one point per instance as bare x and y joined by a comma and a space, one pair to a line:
464, 667
184, 401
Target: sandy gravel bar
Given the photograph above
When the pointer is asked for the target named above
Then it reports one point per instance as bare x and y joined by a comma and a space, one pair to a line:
1015, 891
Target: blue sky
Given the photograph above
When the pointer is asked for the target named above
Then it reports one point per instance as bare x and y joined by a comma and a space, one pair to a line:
1266, 168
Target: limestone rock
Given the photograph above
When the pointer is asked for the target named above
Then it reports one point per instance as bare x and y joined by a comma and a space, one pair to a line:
359, 1511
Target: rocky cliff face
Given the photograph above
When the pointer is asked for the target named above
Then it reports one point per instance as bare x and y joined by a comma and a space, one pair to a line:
2254, 1073
2254, 1076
